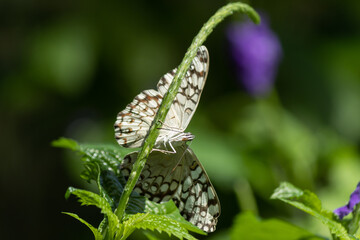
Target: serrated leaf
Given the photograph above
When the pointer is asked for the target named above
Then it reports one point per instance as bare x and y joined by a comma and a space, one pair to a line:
112, 188
109, 187
107, 156
96, 233
310, 203
248, 226
161, 223
164, 217
93, 199
170, 210
288, 191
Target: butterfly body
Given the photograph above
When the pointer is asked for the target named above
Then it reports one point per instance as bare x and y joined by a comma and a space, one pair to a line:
172, 138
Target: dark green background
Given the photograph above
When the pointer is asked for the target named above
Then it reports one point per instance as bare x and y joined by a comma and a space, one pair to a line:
68, 67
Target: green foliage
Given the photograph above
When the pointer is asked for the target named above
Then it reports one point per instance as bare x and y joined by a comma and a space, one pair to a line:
155, 222
97, 233
161, 217
164, 217
311, 204
292, 148
89, 198
107, 157
141, 213
170, 211
247, 226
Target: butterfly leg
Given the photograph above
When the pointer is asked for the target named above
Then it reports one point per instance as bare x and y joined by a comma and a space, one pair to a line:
172, 147
163, 151
166, 151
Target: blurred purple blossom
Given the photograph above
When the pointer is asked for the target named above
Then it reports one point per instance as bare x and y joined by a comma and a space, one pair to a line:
348, 208
256, 52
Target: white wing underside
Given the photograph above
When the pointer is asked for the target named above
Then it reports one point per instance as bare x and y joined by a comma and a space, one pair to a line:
134, 121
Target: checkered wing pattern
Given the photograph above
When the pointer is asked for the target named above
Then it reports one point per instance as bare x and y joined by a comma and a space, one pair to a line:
179, 177
187, 99
133, 123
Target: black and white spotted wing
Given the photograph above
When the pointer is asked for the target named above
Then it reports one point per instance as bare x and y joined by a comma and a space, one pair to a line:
133, 123
179, 177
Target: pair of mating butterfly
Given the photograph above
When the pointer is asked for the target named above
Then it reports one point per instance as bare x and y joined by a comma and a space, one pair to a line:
172, 172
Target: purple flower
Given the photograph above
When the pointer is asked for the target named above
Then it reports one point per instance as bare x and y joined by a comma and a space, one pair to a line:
256, 52
348, 208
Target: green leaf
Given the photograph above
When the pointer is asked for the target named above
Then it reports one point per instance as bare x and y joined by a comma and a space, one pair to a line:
310, 203
161, 223
170, 210
164, 217
66, 143
93, 199
101, 164
112, 187
96, 233
248, 227
106, 156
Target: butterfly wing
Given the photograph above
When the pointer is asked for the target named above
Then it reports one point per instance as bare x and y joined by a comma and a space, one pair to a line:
133, 123
187, 99
179, 177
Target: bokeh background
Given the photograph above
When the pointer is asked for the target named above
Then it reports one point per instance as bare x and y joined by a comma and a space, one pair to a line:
68, 67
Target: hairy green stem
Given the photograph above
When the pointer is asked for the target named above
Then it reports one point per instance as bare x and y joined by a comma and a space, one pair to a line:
173, 89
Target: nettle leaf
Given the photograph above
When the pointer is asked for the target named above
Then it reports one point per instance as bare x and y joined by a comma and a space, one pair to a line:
164, 217
107, 156
93, 199
170, 210
153, 222
101, 165
112, 187
310, 203
248, 226
96, 232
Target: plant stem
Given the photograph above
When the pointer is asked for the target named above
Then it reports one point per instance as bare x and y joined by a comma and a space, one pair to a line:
173, 90
355, 221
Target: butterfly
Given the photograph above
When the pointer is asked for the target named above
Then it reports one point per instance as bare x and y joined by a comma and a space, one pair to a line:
178, 176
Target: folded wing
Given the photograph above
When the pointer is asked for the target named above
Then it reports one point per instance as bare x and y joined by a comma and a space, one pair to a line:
179, 177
